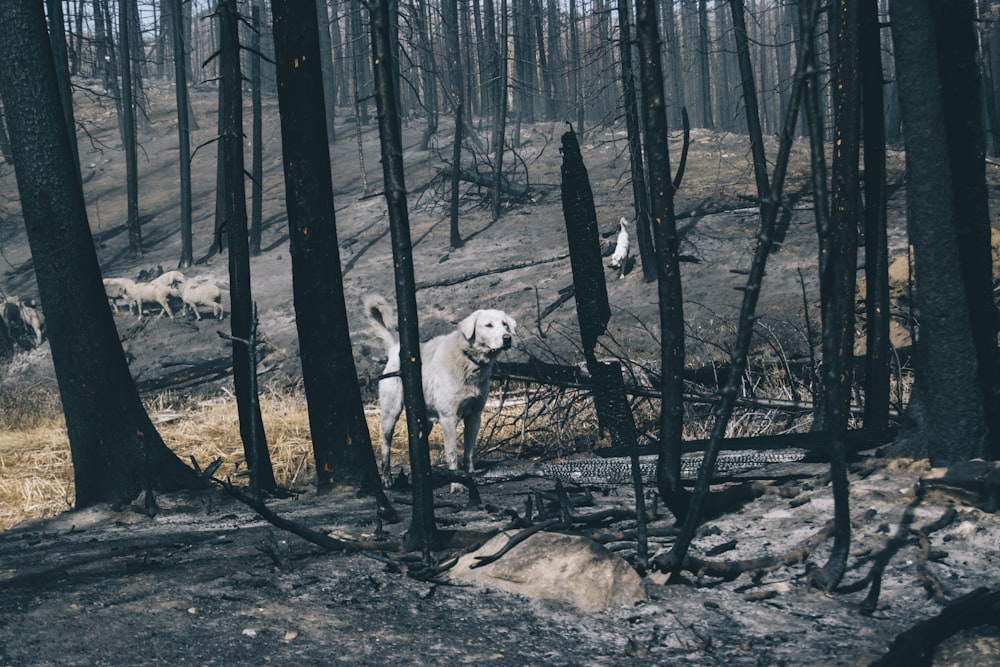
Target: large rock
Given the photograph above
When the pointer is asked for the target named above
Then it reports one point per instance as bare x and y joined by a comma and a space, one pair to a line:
566, 569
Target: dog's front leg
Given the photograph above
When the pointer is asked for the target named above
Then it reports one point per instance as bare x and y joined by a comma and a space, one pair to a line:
449, 432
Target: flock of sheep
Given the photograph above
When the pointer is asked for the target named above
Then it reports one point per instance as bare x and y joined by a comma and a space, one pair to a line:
193, 293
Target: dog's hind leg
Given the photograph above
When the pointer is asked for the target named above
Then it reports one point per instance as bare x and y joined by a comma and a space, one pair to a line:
390, 404
469, 435
449, 433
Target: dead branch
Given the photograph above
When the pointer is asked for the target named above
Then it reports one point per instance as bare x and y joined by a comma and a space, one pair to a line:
915, 646
513, 266
486, 181
728, 570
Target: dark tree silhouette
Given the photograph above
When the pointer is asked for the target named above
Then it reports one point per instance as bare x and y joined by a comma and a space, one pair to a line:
422, 533
341, 442
127, 121
115, 448
946, 417
183, 131
241, 321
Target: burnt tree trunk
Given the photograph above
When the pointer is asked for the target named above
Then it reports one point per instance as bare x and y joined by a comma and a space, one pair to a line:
257, 133
946, 420
876, 243
647, 253
668, 276
127, 120
593, 311
341, 442
116, 450
422, 531
456, 94
183, 132
241, 319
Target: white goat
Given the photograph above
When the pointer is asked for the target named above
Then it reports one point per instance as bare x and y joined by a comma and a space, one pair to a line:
202, 294
28, 313
142, 293
619, 259
115, 288
172, 279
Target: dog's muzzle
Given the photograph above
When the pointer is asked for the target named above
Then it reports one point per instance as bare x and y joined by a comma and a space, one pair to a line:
507, 340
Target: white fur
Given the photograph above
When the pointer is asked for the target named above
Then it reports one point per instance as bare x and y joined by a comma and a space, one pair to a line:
115, 290
202, 294
142, 293
456, 370
619, 259
172, 279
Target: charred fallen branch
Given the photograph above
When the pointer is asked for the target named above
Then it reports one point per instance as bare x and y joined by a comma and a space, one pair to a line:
486, 180
727, 570
915, 646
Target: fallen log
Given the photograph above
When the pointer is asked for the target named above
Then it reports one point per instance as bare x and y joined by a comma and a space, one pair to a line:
486, 181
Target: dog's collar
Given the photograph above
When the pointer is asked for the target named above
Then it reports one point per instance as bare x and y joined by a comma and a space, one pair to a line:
479, 360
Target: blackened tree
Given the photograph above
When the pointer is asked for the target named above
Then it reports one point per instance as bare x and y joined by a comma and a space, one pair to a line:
116, 450
950, 237
241, 321
341, 442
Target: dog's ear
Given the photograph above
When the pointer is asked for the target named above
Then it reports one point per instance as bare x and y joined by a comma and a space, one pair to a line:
468, 326
511, 323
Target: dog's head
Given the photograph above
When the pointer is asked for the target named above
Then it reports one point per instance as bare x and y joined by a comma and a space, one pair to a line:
492, 330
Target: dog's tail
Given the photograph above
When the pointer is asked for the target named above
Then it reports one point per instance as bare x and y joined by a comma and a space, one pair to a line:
382, 315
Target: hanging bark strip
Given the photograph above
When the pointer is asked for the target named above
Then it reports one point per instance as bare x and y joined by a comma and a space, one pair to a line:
234, 194
422, 528
675, 559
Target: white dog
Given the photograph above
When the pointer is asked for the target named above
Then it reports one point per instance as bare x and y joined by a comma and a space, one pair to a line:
619, 259
456, 370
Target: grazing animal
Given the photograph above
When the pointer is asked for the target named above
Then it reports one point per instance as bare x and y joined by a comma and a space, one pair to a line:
115, 289
456, 371
172, 279
619, 259
22, 320
202, 294
142, 293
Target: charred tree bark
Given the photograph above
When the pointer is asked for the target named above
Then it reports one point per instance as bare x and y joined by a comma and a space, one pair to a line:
116, 450
704, 75
876, 243
257, 133
127, 120
500, 114
950, 415
329, 85
427, 73
57, 39
957, 53
183, 132
750, 103
668, 268
838, 266
234, 195
647, 253
422, 531
342, 445
456, 93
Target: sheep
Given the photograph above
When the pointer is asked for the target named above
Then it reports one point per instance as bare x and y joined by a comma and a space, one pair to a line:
202, 294
141, 293
18, 317
115, 289
172, 279
619, 259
